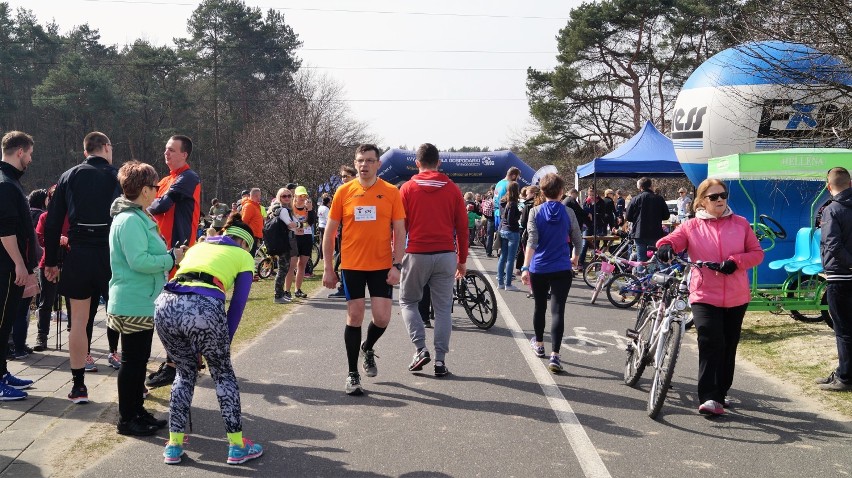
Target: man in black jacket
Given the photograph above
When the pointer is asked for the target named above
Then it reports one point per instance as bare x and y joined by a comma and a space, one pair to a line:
836, 252
646, 211
84, 193
571, 201
18, 251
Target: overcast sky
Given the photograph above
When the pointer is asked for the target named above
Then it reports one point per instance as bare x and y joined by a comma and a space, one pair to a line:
457, 79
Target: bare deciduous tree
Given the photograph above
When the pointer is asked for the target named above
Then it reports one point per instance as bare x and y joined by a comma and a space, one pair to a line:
303, 136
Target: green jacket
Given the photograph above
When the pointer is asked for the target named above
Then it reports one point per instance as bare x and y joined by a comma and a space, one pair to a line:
139, 261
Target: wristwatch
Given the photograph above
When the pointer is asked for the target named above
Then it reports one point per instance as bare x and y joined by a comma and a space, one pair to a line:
525, 268
398, 266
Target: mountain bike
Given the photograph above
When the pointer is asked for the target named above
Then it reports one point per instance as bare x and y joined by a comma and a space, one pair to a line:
657, 335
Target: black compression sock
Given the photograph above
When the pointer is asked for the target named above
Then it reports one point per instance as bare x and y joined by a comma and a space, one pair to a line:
352, 338
79, 375
373, 334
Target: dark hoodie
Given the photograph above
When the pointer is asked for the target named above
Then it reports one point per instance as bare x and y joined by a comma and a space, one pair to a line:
836, 240
552, 229
435, 215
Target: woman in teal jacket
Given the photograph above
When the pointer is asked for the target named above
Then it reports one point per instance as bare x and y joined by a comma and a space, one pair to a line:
140, 262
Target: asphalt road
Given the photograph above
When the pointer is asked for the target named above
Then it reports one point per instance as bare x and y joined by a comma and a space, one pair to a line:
500, 413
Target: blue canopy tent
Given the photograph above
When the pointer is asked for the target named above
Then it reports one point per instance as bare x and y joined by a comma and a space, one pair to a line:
647, 153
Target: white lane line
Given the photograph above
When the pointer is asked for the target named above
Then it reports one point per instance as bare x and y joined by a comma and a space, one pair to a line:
584, 450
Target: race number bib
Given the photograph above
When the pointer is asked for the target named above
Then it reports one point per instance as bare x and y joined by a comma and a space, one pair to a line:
365, 213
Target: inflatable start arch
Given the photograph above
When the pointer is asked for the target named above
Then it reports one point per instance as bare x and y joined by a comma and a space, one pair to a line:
485, 167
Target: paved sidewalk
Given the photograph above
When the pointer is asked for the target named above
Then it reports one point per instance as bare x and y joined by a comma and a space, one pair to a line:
35, 431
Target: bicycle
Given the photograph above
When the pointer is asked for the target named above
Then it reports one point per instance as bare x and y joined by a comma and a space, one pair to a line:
625, 289
593, 268
475, 294
606, 267
658, 333
265, 264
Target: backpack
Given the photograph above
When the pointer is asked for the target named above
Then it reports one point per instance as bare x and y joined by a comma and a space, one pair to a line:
275, 234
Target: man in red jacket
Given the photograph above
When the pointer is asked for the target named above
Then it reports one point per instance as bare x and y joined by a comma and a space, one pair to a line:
436, 221
177, 210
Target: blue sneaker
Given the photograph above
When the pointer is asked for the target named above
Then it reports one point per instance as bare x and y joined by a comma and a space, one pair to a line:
555, 365
16, 383
172, 453
8, 393
242, 454
538, 350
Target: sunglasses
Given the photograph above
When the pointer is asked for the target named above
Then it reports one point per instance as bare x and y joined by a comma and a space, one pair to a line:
155, 186
716, 197
286, 195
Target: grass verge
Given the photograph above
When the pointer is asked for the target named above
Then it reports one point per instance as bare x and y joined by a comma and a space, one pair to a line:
796, 352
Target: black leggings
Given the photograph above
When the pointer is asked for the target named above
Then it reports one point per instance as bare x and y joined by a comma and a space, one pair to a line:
558, 283
136, 349
718, 336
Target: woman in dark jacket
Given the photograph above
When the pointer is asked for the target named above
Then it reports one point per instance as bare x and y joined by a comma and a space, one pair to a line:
510, 235
531, 194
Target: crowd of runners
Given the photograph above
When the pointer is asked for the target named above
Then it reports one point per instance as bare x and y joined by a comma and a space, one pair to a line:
128, 237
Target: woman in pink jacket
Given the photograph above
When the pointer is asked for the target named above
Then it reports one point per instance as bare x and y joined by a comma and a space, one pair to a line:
719, 293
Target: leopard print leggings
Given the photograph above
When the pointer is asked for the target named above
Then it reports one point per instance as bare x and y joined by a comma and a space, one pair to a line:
189, 324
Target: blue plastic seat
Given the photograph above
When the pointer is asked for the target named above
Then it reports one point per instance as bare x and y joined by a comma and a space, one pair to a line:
813, 259
815, 262
802, 250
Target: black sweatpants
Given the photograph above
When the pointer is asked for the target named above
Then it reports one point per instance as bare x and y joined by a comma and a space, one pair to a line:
558, 283
718, 336
10, 299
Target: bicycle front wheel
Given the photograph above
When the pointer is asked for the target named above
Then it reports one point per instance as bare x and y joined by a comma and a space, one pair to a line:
663, 374
623, 290
636, 350
478, 299
264, 267
315, 255
590, 273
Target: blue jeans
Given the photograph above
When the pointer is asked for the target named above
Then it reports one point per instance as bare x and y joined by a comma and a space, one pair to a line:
508, 250
587, 243
839, 295
642, 248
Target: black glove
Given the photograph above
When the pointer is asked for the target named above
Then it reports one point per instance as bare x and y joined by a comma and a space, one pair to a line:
664, 253
728, 267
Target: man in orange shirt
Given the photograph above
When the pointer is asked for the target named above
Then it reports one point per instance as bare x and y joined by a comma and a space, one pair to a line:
253, 217
373, 219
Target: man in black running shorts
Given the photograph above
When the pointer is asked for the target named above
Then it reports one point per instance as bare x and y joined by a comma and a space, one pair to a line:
372, 215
